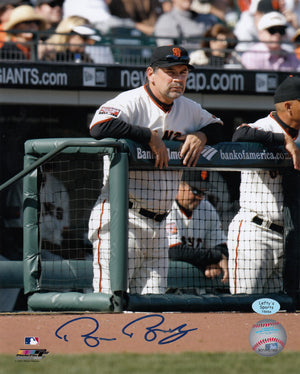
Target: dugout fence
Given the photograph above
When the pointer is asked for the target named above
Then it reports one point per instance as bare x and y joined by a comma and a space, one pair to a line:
58, 277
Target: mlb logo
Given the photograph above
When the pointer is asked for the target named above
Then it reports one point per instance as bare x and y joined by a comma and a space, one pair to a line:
271, 346
31, 340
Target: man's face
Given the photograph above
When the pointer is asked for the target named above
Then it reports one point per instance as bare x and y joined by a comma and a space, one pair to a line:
273, 37
26, 29
295, 112
167, 84
182, 4
189, 197
53, 12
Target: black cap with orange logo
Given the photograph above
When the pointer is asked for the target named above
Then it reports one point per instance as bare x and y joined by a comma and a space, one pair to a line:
170, 55
196, 179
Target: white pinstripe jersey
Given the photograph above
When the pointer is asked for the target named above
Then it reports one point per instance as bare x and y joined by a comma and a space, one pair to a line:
261, 191
157, 189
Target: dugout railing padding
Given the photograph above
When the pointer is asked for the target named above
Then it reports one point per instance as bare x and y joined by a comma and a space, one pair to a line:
125, 155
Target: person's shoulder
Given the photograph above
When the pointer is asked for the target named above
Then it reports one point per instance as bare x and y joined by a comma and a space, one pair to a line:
207, 206
132, 93
257, 47
166, 15
184, 100
263, 122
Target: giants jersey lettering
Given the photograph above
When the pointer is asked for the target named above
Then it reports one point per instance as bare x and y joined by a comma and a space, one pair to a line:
202, 230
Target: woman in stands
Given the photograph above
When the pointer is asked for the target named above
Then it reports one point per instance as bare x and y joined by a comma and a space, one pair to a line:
217, 48
22, 30
68, 44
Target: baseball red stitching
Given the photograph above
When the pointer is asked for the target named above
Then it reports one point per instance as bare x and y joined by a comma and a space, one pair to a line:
268, 340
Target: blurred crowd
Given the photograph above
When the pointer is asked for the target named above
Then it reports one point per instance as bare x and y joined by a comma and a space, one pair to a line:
249, 34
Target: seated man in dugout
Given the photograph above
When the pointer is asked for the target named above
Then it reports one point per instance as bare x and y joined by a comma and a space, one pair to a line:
194, 229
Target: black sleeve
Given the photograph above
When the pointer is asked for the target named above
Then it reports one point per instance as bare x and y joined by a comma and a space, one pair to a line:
116, 128
200, 257
249, 134
214, 133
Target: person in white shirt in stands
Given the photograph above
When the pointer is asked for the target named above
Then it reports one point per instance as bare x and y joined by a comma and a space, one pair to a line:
97, 12
270, 52
181, 23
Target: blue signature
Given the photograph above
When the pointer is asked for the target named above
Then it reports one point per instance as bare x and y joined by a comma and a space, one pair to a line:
89, 339
151, 334
152, 331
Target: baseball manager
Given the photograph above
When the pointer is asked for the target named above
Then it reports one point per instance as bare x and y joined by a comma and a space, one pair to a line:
149, 114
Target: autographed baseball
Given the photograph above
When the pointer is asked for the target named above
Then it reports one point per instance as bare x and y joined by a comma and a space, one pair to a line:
267, 337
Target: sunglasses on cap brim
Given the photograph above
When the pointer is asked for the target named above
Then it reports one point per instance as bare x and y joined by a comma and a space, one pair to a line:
172, 58
197, 192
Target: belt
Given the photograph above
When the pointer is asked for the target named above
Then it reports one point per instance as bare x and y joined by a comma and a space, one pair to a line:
147, 213
267, 224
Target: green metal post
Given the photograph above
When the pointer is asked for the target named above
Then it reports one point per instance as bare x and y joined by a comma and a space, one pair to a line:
119, 227
30, 234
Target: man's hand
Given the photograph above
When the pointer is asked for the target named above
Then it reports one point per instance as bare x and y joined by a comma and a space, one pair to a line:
159, 150
293, 150
214, 270
192, 147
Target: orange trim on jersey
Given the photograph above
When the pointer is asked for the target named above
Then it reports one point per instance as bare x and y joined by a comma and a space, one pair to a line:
184, 213
294, 138
236, 256
24, 49
99, 244
97, 123
174, 245
3, 36
155, 102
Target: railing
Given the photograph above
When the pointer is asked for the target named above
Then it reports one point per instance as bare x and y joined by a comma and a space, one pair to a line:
78, 163
126, 47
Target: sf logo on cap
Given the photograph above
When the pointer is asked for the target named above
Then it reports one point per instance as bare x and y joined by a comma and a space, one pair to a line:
176, 52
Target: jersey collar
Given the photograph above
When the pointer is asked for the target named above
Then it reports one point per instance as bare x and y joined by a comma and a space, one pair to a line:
292, 132
165, 107
188, 213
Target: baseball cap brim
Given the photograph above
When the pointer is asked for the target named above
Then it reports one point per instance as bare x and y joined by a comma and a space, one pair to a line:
168, 64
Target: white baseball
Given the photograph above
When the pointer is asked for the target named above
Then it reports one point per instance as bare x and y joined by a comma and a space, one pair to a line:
267, 337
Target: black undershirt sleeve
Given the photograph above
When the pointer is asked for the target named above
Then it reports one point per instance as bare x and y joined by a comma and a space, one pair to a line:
249, 134
116, 128
214, 133
200, 257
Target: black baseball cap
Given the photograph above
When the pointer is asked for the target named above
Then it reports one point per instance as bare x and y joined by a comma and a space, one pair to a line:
170, 55
265, 6
196, 179
289, 89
